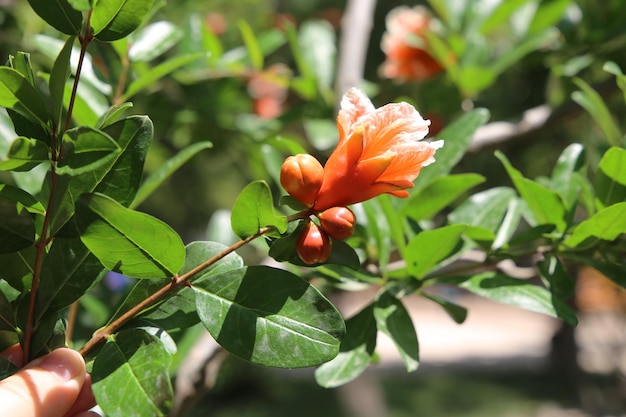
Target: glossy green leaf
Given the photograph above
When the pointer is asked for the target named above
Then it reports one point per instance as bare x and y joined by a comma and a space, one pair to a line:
59, 14
129, 242
501, 14
510, 223
378, 230
86, 149
269, 316
17, 94
571, 160
393, 319
113, 114
439, 194
58, 77
115, 19
455, 311
150, 77
17, 227
519, 293
397, 224
559, 279
610, 179
254, 209
612, 68
457, 137
612, 270
68, 270
545, 204
153, 40
485, 209
166, 170
130, 375
591, 101
25, 154
118, 178
30, 203
430, 247
355, 354
179, 309
606, 224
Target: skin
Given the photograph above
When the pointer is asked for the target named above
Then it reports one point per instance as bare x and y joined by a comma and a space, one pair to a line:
54, 385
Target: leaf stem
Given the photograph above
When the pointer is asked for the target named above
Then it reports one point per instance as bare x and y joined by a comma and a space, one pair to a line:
176, 283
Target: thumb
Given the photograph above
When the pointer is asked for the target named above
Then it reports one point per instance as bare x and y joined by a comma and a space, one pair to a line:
46, 387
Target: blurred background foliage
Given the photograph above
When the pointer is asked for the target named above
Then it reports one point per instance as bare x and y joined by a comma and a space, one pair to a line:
249, 73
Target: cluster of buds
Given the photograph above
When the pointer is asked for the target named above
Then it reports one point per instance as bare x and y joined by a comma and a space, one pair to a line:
301, 176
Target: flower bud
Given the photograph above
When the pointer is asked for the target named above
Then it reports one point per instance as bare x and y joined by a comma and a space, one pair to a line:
338, 222
313, 245
301, 176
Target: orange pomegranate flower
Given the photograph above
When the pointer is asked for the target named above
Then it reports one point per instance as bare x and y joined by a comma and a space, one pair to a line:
379, 151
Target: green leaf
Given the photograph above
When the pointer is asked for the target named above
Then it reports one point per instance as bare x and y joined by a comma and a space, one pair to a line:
545, 204
612, 270
606, 224
153, 75
252, 46
591, 101
439, 194
59, 14
68, 271
548, 14
125, 241
612, 68
25, 154
153, 40
571, 160
269, 316
21, 63
86, 149
501, 14
7, 316
30, 203
518, 293
356, 350
555, 272
317, 42
58, 77
430, 247
485, 209
130, 375
17, 227
254, 209
378, 229
166, 170
112, 114
610, 179
116, 19
457, 137
521, 49
17, 268
509, 224
17, 94
394, 320
456, 312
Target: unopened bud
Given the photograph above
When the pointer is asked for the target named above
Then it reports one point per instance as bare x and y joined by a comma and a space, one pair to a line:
338, 222
301, 176
313, 245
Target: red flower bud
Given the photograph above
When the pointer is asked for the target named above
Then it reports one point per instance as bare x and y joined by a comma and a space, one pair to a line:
338, 222
313, 245
301, 176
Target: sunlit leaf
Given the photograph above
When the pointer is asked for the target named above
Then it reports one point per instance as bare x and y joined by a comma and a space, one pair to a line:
430, 247
17, 227
59, 14
112, 114
394, 320
485, 209
115, 19
129, 242
17, 94
153, 41
254, 209
25, 154
58, 76
519, 293
455, 311
610, 179
591, 101
571, 160
252, 46
606, 224
130, 375
355, 352
85, 150
269, 316
318, 45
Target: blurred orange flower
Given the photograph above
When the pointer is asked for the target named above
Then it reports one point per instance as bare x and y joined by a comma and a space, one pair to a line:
379, 151
406, 47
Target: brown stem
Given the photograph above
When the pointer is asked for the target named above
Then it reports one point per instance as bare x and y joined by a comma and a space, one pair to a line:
84, 43
71, 322
176, 283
